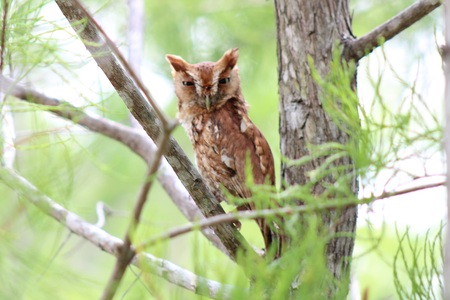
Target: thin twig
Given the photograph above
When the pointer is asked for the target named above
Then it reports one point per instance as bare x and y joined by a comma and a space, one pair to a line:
245, 215
111, 244
126, 253
360, 47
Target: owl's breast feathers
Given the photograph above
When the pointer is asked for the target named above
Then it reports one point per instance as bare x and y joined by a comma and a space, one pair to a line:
226, 143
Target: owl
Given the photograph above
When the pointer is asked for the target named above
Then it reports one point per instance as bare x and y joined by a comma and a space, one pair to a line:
214, 113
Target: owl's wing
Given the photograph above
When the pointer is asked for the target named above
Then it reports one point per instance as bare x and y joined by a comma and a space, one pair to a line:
243, 149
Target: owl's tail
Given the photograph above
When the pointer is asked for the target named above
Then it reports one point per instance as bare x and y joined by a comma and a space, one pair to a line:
273, 237
272, 234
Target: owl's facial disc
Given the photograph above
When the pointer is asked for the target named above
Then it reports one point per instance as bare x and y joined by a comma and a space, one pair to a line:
209, 84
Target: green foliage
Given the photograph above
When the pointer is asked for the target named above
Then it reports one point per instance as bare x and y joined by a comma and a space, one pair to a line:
421, 262
381, 135
300, 273
409, 265
339, 100
29, 39
383, 139
30, 271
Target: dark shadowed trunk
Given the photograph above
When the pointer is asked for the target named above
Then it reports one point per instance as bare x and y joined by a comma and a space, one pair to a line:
311, 28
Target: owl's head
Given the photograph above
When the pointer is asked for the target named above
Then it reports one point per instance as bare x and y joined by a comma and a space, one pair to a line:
206, 85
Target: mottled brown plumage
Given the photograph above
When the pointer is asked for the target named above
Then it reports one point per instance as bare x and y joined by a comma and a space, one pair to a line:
213, 111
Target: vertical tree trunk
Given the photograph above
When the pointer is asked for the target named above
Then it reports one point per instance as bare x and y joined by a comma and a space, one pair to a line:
311, 28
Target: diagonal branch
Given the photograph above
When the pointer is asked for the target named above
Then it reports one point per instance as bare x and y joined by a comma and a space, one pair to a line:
111, 244
360, 47
126, 252
137, 142
145, 115
132, 138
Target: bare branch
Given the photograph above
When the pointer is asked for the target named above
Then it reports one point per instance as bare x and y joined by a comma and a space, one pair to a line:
287, 210
111, 244
360, 47
142, 111
137, 142
132, 138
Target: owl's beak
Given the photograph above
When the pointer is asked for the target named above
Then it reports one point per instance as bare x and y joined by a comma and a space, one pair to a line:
208, 102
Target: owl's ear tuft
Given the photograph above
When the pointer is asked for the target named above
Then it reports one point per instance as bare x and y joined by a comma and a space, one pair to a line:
229, 59
178, 64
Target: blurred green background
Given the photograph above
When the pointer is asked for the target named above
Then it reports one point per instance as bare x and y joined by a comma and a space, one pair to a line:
39, 259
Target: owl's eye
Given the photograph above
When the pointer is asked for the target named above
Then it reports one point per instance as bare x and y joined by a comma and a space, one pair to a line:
224, 80
188, 83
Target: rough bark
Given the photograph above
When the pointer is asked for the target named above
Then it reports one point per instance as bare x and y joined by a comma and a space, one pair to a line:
312, 28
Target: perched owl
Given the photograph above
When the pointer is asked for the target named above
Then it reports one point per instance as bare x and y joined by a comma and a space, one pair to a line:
213, 111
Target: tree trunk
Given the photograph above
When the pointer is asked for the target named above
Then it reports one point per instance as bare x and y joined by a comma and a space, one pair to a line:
312, 28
